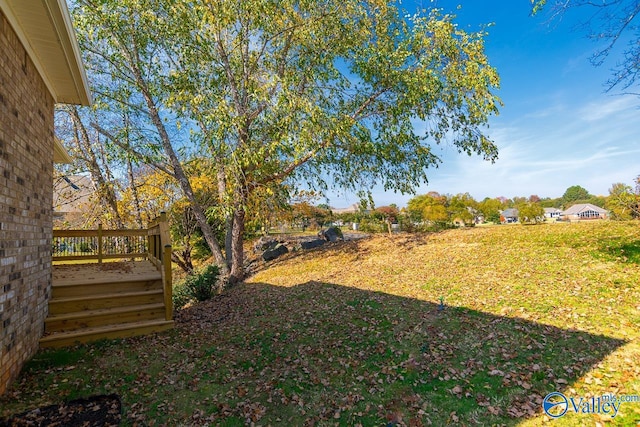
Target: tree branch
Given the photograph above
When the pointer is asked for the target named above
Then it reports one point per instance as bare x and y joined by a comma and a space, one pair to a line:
146, 159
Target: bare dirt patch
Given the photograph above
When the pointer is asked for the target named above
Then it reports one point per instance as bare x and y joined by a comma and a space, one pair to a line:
95, 411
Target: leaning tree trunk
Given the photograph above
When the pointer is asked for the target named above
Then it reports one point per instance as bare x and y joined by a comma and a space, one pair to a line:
185, 185
179, 173
134, 193
183, 259
237, 249
132, 180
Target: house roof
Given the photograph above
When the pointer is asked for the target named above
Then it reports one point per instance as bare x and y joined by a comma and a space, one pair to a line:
583, 207
552, 210
45, 30
510, 213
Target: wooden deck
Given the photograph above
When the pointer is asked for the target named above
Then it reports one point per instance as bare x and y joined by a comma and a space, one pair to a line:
69, 274
105, 300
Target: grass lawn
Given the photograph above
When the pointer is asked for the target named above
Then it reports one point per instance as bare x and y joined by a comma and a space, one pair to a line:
464, 327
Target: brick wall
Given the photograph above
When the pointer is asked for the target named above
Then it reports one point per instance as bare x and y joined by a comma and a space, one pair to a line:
26, 174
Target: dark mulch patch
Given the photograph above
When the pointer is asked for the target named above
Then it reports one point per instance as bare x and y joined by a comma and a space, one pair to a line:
91, 412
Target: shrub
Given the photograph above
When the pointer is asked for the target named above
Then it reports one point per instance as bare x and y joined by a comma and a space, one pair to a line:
196, 287
84, 247
180, 296
372, 226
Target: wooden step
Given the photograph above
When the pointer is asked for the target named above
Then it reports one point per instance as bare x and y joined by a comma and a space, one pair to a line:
125, 330
69, 289
80, 303
103, 317
86, 275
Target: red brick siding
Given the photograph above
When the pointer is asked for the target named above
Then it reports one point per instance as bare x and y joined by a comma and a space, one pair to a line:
26, 174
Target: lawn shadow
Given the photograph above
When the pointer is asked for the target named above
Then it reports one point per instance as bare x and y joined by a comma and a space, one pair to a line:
625, 251
322, 354
369, 357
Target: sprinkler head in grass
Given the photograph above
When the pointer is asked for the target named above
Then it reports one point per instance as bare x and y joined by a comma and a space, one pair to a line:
441, 306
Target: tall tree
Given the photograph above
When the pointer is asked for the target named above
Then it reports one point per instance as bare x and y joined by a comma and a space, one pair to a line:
622, 202
298, 90
431, 207
490, 209
282, 92
530, 212
462, 207
92, 158
574, 194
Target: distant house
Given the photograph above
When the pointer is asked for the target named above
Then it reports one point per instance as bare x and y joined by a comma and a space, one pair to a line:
584, 211
552, 213
41, 66
509, 216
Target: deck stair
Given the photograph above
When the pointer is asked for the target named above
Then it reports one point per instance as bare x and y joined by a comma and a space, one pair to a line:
88, 304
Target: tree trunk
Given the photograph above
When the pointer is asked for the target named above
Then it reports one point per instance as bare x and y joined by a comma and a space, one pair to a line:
228, 221
228, 239
132, 180
183, 260
179, 173
237, 249
134, 192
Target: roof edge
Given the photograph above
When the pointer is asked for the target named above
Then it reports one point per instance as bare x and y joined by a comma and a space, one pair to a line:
60, 154
60, 22
64, 28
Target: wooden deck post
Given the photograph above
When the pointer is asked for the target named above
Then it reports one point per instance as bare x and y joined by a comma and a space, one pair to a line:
168, 290
151, 245
100, 243
165, 238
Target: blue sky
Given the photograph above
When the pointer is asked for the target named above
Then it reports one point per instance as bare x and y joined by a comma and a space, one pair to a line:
557, 127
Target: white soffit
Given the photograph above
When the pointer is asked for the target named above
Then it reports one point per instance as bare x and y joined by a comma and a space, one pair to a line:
44, 28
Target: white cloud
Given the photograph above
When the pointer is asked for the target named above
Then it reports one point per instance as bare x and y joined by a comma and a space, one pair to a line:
546, 161
619, 107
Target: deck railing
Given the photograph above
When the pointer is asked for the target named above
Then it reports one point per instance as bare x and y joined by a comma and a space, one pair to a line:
153, 243
99, 244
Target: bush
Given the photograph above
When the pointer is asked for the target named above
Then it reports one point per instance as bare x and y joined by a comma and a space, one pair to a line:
196, 287
440, 226
180, 296
84, 247
372, 226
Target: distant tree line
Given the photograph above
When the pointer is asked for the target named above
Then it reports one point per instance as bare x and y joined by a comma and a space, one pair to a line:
623, 203
434, 211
